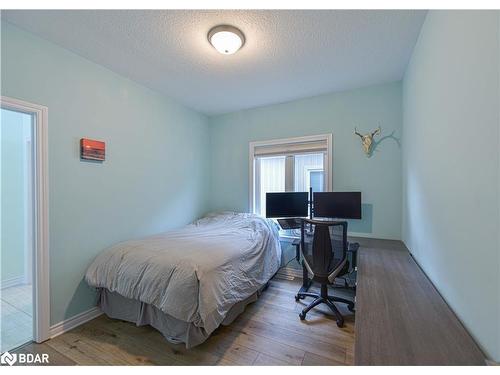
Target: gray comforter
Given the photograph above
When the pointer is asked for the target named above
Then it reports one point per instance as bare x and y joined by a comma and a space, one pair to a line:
197, 273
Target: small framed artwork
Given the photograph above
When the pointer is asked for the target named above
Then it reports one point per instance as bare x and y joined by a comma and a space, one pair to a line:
92, 150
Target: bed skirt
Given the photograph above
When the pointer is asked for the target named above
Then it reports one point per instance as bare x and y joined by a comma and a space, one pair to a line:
174, 330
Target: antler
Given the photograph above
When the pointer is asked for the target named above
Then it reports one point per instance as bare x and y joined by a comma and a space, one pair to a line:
356, 132
377, 131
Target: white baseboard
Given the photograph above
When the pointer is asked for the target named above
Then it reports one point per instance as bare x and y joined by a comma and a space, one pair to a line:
75, 321
13, 281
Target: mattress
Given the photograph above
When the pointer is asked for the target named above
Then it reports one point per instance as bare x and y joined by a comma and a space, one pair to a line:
194, 275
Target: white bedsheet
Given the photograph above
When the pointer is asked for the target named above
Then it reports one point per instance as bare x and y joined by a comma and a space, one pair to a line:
197, 273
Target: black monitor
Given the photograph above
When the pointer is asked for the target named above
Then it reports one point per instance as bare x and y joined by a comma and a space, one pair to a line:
340, 205
287, 204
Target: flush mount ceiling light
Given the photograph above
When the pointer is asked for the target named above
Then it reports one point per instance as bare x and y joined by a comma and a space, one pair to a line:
226, 39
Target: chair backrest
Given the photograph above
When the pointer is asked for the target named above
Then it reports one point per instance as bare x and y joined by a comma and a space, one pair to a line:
323, 245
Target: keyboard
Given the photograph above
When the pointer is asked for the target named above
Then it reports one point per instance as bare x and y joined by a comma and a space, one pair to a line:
291, 223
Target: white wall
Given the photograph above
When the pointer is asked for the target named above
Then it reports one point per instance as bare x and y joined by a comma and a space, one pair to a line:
15, 130
155, 176
451, 165
378, 178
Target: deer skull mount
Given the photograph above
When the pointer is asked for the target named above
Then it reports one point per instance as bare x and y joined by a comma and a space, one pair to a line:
367, 140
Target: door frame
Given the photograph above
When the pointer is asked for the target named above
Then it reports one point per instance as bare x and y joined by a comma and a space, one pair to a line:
40, 188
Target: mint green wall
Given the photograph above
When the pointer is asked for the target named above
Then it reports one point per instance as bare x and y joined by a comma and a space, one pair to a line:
378, 177
451, 165
13, 184
156, 169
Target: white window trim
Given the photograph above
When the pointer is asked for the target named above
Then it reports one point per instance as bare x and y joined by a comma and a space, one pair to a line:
41, 296
328, 164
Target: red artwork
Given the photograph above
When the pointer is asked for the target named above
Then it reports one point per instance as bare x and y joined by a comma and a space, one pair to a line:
92, 150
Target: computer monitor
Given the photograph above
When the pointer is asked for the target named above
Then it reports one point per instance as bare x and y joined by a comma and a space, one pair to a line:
340, 205
287, 204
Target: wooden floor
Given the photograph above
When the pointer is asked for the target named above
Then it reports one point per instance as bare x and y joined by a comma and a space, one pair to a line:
269, 332
401, 318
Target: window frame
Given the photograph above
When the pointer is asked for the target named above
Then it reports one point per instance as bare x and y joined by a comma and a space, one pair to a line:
328, 162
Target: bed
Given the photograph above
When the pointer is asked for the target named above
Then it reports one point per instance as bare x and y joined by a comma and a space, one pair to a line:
187, 282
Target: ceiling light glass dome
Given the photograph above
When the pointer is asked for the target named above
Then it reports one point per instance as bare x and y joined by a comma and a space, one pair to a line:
226, 39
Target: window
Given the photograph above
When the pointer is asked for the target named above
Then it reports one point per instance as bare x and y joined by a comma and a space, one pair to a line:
293, 164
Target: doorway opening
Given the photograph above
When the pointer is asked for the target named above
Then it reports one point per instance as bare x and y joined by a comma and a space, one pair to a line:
24, 303
16, 247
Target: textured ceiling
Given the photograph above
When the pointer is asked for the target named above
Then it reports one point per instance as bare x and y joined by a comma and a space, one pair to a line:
288, 54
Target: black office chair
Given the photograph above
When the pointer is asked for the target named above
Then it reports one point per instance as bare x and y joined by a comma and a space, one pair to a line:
324, 254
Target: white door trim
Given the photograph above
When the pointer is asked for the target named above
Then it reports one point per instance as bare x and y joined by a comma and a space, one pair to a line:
41, 286
28, 209
328, 164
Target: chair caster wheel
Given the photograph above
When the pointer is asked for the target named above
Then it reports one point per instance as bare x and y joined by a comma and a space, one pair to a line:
302, 316
297, 298
340, 323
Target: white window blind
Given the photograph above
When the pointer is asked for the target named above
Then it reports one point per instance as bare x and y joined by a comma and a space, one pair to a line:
291, 148
292, 164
